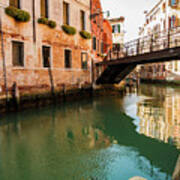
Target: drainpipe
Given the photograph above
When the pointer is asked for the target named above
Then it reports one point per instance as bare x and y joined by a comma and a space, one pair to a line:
34, 21
3, 55
92, 60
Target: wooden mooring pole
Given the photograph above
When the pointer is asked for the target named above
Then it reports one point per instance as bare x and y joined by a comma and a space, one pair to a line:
176, 174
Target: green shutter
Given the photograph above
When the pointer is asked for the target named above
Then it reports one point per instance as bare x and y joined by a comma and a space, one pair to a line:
119, 28
113, 27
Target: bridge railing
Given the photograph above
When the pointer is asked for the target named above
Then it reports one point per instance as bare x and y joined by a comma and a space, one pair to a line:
156, 41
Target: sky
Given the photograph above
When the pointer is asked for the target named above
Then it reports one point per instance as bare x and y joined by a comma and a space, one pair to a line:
132, 10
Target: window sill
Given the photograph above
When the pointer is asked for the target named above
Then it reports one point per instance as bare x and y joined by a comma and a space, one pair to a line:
18, 67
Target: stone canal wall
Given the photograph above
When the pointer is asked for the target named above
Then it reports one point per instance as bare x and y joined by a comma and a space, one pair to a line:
20, 98
24, 98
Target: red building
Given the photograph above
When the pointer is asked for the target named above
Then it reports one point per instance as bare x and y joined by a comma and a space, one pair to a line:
107, 36
101, 31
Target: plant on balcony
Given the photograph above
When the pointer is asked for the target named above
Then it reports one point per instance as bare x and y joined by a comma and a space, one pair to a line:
17, 14
43, 20
50, 23
69, 29
85, 34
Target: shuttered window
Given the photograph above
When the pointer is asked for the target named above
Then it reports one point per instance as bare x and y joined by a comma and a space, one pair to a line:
68, 58
65, 13
113, 28
84, 60
98, 46
44, 8
46, 56
173, 2
173, 21
18, 53
102, 47
119, 28
116, 28
82, 20
94, 43
15, 3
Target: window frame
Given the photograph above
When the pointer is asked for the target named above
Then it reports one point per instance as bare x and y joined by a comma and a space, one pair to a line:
84, 66
94, 43
173, 21
21, 63
43, 62
13, 4
102, 47
83, 20
70, 61
173, 2
46, 6
66, 7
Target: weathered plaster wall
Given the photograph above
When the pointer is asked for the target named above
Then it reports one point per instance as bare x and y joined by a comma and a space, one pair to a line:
33, 73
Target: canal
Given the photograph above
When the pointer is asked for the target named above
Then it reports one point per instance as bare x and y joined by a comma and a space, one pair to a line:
105, 138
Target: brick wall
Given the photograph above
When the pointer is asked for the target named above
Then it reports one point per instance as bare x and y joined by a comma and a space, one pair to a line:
107, 36
97, 27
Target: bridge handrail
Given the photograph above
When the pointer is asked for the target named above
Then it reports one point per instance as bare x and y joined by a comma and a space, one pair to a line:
153, 42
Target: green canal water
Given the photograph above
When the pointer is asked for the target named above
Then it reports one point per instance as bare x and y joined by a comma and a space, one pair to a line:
105, 138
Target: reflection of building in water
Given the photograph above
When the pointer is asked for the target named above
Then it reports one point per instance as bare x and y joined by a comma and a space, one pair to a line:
152, 120
137, 178
160, 118
67, 126
173, 116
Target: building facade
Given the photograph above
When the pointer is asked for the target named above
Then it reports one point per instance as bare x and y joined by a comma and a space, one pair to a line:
107, 37
101, 32
39, 52
165, 15
97, 30
118, 30
161, 120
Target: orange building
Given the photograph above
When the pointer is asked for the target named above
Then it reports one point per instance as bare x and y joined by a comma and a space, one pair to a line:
101, 32
96, 29
107, 36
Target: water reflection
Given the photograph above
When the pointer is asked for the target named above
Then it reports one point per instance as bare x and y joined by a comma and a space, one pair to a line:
159, 114
87, 140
